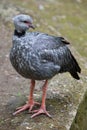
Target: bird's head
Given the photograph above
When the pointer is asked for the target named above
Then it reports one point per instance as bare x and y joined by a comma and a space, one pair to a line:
23, 22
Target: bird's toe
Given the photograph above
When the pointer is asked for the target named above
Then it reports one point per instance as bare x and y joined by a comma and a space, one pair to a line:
40, 111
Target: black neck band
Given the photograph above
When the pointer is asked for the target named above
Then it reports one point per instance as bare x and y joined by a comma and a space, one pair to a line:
19, 34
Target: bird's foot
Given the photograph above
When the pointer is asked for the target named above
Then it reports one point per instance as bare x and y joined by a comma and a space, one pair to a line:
25, 107
42, 110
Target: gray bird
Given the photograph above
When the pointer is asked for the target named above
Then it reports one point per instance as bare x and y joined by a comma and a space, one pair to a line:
39, 56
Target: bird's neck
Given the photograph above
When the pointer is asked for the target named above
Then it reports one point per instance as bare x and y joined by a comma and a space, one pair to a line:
19, 34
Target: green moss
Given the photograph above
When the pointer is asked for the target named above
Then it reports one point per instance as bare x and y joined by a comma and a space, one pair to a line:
80, 122
70, 19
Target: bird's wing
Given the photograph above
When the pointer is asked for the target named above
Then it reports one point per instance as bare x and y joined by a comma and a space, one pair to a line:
51, 48
63, 58
43, 41
58, 56
54, 51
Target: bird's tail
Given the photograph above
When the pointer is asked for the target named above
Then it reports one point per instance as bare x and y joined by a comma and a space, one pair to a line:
75, 69
75, 75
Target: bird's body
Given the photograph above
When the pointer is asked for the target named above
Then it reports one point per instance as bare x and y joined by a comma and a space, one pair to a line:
39, 56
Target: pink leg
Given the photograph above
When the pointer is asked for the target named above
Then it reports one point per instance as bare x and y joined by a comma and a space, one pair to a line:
30, 102
42, 109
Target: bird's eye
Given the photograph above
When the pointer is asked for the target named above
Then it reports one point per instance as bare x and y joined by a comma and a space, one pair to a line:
25, 21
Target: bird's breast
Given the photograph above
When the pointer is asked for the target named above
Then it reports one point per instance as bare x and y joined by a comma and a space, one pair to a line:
24, 60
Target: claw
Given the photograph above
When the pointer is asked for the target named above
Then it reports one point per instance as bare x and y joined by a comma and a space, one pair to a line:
40, 111
22, 108
25, 107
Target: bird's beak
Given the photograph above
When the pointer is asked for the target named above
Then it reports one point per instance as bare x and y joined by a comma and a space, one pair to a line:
32, 26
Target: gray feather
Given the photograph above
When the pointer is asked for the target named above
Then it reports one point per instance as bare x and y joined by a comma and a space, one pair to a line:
40, 56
